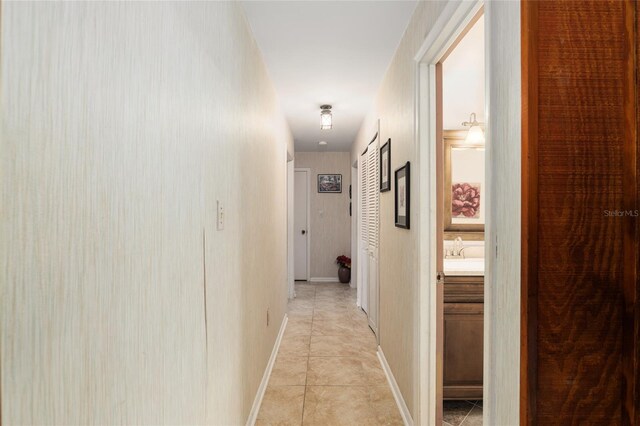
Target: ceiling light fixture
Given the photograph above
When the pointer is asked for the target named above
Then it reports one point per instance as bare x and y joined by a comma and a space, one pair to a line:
322, 143
476, 134
325, 117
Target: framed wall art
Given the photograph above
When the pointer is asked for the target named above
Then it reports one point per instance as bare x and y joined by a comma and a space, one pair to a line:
464, 186
330, 184
403, 194
385, 167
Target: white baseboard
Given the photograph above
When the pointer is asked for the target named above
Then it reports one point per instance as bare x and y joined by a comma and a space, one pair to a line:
402, 406
325, 280
253, 415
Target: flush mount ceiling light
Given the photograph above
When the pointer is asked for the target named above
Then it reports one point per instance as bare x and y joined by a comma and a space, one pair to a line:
325, 117
322, 143
476, 134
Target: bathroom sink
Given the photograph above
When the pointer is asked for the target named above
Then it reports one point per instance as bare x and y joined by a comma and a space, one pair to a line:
469, 266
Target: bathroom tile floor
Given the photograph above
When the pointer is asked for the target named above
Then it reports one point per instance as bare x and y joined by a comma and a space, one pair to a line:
462, 413
327, 371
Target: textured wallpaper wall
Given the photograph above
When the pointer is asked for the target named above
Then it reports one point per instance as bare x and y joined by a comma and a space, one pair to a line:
330, 232
122, 124
399, 262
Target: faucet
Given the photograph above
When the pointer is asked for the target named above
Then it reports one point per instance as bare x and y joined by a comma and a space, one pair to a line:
457, 251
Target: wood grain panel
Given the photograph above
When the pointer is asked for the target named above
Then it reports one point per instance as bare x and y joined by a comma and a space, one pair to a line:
635, 400
579, 260
529, 253
631, 253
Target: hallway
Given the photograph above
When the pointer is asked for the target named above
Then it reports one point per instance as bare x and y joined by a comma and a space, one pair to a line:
169, 169
327, 370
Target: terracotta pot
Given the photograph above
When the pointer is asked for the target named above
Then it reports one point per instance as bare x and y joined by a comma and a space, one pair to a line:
344, 274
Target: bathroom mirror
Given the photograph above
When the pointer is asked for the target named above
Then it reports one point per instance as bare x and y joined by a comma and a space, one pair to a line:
464, 187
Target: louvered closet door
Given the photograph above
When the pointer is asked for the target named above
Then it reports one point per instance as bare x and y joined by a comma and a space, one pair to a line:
373, 230
363, 239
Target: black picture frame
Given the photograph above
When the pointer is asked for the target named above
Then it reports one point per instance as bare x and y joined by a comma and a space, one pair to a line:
385, 167
403, 196
329, 183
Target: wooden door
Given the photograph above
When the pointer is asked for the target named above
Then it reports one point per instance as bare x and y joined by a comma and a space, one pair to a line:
580, 202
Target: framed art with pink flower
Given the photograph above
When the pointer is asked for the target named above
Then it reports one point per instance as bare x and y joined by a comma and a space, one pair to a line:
465, 200
464, 178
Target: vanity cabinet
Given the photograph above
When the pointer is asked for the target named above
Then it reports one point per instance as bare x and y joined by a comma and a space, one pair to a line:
463, 337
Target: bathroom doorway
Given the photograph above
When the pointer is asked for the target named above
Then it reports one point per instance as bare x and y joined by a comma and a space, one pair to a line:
461, 82
452, 149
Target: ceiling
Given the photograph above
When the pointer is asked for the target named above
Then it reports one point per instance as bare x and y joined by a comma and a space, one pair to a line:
327, 52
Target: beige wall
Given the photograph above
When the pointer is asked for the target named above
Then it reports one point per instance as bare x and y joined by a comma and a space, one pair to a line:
394, 106
123, 123
399, 262
330, 232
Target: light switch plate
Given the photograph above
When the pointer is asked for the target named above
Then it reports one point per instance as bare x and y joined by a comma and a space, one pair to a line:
220, 209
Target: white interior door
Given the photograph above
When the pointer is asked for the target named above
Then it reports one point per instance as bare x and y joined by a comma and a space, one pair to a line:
373, 217
363, 236
301, 224
290, 233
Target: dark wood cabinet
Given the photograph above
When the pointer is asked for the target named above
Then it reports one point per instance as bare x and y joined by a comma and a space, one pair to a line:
463, 337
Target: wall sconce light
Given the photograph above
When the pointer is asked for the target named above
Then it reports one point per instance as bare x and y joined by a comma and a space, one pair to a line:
476, 134
325, 117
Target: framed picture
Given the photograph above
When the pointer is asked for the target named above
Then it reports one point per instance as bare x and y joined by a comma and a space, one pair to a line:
403, 191
330, 184
385, 167
464, 186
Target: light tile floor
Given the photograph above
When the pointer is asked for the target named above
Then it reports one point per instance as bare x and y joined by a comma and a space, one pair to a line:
462, 413
327, 371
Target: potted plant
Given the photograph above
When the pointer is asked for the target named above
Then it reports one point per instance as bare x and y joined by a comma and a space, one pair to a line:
344, 271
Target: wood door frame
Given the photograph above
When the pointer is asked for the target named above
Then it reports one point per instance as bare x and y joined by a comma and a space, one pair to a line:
529, 263
307, 170
451, 24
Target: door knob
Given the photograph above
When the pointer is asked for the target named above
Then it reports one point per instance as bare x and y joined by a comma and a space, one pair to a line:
304, 232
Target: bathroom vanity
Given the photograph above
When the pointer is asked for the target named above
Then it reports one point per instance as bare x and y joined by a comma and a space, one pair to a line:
463, 328
462, 297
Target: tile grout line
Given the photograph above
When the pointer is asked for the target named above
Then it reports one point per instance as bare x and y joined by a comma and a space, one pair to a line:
468, 412
352, 326
471, 401
354, 332
306, 374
